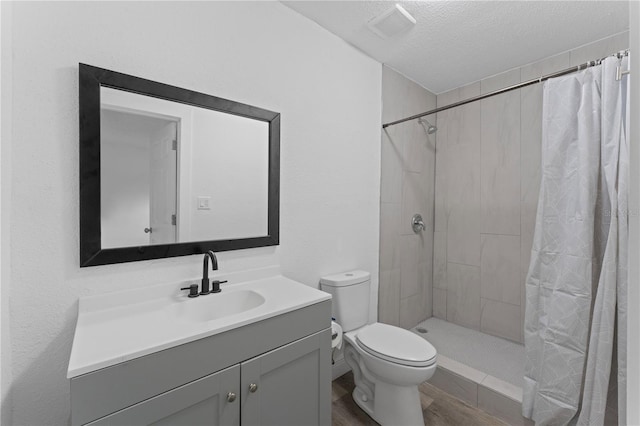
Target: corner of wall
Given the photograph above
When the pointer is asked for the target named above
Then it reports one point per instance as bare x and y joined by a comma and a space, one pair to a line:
5, 195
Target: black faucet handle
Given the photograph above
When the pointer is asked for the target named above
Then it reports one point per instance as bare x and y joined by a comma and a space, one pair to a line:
193, 290
215, 286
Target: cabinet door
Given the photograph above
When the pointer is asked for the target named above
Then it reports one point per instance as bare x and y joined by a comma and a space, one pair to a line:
201, 402
292, 384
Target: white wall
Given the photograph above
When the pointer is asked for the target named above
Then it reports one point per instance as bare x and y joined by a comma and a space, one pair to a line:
633, 348
230, 164
259, 53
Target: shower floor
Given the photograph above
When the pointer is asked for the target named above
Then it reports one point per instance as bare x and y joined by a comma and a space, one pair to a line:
491, 355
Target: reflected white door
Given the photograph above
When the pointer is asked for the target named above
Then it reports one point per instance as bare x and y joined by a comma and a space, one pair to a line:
162, 209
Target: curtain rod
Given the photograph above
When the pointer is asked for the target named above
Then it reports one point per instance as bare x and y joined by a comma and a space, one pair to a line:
570, 70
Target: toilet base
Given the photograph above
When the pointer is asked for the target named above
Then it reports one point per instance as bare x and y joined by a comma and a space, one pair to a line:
394, 405
362, 401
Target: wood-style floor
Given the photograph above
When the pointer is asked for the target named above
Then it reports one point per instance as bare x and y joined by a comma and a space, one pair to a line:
439, 408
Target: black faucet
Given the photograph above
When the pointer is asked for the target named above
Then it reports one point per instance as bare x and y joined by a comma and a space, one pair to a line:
205, 273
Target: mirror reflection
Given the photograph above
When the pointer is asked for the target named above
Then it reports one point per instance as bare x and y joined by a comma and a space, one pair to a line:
172, 172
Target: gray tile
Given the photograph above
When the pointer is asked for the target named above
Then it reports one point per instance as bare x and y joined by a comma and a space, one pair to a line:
500, 81
411, 312
469, 91
500, 268
389, 236
531, 155
440, 260
409, 261
415, 200
399, 95
457, 152
500, 170
502, 407
416, 148
492, 355
525, 257
463, 234
502, 387
465, 120
419, 150
600, 48
448, 97
455, 385
440, 303
526, 244
426, 247
530, 175
391, 82
530, 189
391, 165
401, 98
463, 295
389, 297
501, 319
441, 162
460, 369
463, 206
545, 66
523, 302
462, 181
424, 273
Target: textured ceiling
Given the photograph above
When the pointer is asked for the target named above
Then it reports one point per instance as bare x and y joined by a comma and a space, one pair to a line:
459, 42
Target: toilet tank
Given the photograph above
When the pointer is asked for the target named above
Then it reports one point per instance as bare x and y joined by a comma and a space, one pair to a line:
350, 298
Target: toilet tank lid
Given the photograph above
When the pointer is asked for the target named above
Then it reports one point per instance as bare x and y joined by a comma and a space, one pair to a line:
345, 278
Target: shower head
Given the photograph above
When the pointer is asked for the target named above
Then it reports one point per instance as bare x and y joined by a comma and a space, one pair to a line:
431, 129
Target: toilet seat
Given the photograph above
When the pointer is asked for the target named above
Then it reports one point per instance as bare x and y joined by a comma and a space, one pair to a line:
396, 345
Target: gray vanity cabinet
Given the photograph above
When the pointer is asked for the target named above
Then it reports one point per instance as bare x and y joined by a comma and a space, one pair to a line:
287, 358
286, 387
202, 402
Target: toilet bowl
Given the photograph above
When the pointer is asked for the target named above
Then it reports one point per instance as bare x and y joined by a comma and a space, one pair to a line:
386, 374
388, 362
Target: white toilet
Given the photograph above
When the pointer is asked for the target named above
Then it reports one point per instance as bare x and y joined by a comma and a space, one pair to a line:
388, 362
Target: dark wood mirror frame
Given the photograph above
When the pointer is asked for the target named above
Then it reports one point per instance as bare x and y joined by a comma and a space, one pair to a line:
91, 252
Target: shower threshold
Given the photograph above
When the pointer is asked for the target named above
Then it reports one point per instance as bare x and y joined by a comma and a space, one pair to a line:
483, 370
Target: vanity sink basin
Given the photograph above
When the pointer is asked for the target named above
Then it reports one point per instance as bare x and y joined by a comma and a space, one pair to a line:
220, 305
117, 327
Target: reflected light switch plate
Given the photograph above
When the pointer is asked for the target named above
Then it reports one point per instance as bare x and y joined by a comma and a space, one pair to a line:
204, 203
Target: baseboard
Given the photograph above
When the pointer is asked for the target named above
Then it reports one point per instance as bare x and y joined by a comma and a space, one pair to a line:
339, 368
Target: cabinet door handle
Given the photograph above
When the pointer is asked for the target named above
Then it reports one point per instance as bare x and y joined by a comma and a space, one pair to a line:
253, 387
231, 396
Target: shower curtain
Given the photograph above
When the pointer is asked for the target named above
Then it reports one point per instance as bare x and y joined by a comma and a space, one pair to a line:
575, 320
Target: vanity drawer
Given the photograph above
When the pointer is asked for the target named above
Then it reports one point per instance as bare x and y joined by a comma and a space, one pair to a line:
108, 390
204, 401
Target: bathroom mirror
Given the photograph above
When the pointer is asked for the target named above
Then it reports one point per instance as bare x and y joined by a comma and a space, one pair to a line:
166, 171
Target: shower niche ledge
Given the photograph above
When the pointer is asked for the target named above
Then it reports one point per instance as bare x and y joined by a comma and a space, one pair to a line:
126, 370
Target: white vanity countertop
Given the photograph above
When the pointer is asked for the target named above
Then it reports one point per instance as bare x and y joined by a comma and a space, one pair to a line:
120, 326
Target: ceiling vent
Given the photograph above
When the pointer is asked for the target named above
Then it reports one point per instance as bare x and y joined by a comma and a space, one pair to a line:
392, 22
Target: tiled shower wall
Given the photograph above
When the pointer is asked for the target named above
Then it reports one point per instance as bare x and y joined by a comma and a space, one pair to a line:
407, 187
487, 182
